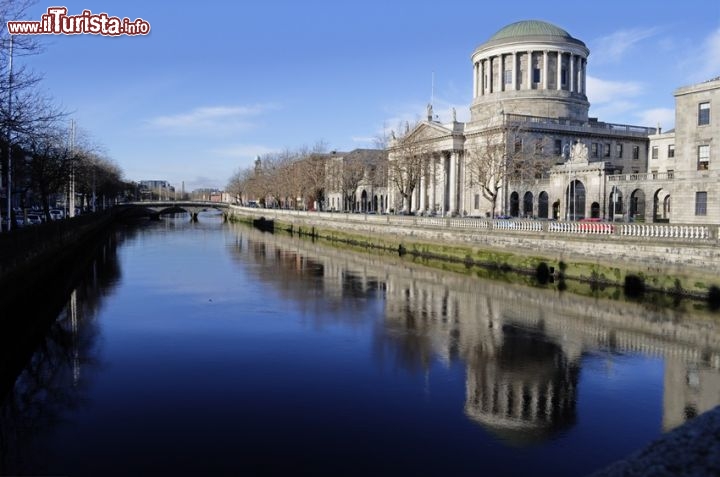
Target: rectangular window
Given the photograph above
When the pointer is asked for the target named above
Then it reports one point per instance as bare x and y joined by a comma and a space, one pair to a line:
636, 152
477, 201
536, 75
594, 149
671, 151
563, 77
518, 144
670, 174
606, 152
508, 76
654, 152
619, 150
558, 147
700, 203
703, 157
703, 114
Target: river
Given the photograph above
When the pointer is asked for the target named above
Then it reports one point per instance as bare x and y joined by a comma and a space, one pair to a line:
215, 349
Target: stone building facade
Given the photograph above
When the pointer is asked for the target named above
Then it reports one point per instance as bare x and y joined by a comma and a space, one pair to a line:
687, 166
356, 181
552, 160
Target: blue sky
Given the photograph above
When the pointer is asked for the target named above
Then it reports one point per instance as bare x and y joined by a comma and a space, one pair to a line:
217, 82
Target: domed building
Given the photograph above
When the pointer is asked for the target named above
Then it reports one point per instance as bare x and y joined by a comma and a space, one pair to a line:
531, 67
529, 149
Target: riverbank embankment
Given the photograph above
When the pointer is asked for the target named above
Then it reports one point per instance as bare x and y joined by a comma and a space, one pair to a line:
679, 260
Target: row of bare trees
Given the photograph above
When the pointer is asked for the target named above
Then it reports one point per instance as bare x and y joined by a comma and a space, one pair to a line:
40, 153
288, 179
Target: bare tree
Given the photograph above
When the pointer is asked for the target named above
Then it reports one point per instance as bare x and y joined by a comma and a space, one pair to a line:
506, 153
312, 170
353, 171
49, 163
407, 158
240, 184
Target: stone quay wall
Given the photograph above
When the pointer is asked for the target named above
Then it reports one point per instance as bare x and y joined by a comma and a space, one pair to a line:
660, 248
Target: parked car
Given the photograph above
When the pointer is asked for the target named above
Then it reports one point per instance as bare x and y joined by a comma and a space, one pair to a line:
595, 225
34, 219
56, 214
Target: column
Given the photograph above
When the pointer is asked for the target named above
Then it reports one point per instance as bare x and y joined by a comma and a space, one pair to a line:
443, 191
572, 73
514, 71
583, 64
501, 66
490, 75
433, 183
546, 70
423, 185
475, 80
483, 84
453, 183
559, 70
529, 69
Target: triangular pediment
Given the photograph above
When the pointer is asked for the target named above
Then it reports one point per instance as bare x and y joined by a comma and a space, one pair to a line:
428, 131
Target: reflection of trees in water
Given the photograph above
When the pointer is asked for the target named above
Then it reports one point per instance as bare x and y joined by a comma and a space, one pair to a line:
53, 380
325, 293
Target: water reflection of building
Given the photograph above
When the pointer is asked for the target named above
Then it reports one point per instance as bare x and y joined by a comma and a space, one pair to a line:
690, 390
523, 389
522, 346
520, 384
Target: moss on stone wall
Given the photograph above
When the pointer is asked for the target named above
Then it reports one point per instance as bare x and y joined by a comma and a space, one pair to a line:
570, 273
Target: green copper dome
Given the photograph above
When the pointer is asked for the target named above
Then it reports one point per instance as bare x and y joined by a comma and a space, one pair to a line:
529, 28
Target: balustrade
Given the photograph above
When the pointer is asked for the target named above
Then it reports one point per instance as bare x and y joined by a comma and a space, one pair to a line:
676, 232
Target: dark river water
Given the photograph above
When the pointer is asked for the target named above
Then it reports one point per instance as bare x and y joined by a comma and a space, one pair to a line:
214, 349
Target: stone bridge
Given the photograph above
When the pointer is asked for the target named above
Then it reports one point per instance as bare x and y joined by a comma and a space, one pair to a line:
154, 209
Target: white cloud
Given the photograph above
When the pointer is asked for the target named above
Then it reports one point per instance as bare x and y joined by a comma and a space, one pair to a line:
710, 57
602, 91
202, 182
210, 119
652, 117
611, 48
364, 139
242, 151
411, 113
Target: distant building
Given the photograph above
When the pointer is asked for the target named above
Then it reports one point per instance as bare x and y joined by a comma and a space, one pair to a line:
356, 181
156, 189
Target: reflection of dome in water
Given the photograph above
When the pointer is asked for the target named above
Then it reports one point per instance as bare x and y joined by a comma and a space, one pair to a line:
526, 392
